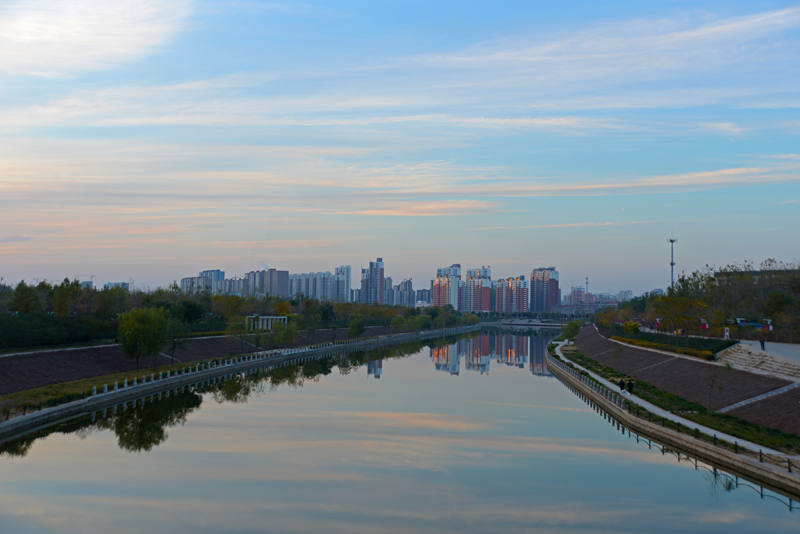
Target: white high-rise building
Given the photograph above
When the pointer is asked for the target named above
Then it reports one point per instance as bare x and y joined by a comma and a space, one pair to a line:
344, 295
216, 277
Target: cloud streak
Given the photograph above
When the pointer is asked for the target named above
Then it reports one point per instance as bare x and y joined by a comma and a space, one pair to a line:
64, 37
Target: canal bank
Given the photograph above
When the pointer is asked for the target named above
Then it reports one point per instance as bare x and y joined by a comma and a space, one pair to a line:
109, 395
784, 479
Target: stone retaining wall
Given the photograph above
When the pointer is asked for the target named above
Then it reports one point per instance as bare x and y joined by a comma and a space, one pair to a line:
769, 476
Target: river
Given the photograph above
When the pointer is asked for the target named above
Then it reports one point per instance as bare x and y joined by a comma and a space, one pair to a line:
468, 434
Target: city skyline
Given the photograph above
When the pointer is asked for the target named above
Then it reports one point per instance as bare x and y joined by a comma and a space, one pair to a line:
154, 139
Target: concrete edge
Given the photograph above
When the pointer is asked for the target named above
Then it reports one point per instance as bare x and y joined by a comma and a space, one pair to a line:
765, 474
49, 416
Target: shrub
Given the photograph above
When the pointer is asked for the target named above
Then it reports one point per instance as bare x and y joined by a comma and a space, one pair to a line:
706, 354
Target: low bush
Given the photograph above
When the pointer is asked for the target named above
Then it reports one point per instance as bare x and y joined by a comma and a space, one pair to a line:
705, 354
712, 345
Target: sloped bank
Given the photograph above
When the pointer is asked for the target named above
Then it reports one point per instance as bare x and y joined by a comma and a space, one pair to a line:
782, 479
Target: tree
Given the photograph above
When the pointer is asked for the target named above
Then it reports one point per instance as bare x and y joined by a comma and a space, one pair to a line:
326, 313
176, 335
355, 327
236, 328
142, 332
283, 308
25, 299
631, 327
398, 322
571, 330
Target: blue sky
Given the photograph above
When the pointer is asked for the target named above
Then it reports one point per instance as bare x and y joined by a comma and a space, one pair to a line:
153, 139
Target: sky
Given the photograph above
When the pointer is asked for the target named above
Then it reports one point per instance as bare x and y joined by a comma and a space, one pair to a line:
153, 139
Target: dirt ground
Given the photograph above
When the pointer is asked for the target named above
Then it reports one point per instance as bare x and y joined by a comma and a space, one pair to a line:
781, 411
37, 369
694, 380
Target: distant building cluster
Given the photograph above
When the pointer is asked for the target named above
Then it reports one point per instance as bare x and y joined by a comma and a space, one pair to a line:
477, 292
470, 290
268, 281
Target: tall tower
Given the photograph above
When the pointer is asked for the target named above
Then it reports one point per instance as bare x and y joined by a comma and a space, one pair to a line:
672, 242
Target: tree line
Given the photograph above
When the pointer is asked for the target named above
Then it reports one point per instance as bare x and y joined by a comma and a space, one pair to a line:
718, 298
48, 314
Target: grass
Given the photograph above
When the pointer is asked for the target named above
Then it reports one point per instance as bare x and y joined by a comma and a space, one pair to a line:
734, 426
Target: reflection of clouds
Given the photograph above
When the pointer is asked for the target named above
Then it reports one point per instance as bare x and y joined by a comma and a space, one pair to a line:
448, 423
537, 406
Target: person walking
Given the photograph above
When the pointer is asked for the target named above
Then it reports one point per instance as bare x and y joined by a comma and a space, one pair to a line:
621, 385
763, 345
630, 387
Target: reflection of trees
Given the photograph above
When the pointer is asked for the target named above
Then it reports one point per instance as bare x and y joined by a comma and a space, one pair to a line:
139, 428
143, 426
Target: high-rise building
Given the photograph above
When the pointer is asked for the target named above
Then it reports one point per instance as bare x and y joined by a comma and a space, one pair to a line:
405, 294
373, 283
624, 295
216, 276
424, 296
114, 285
388, 291
578, 295
513, 295
256, 282
454, 271
446, 291
277, 283
544, 289
344, 293
196, 284
477, 295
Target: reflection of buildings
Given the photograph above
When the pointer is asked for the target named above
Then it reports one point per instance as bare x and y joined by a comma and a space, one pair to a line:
513, 350
477, 353
446, 358
375, 368
538, 352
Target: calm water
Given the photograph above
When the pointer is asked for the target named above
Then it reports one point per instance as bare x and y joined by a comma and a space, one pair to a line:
473, 436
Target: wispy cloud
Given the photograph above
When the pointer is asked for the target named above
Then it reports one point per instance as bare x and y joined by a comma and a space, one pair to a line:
722, 127
14, 239
63, 37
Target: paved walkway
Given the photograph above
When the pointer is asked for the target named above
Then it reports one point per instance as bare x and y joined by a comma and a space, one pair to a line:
782, 350
748, 355
664, 413
758, 398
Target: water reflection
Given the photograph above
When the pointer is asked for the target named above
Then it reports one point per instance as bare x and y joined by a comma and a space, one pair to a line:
519, 350
321, 445
142, 424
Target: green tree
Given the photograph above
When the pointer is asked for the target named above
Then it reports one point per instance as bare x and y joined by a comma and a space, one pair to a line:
142, 333
25, 299
398, 322
355, 327
571, 330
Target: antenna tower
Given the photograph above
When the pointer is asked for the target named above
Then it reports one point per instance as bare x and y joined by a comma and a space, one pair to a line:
672, 242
